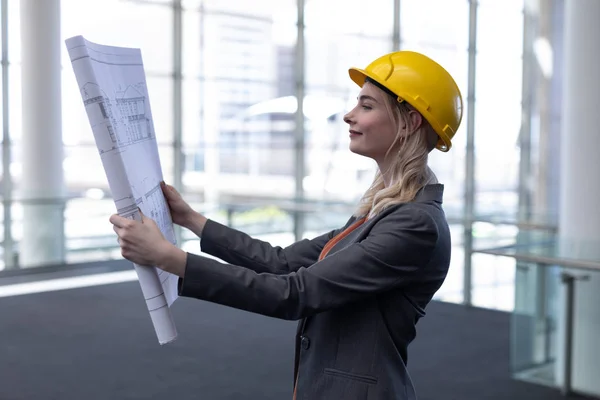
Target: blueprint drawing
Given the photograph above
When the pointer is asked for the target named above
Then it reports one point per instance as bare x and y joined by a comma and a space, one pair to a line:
113, 88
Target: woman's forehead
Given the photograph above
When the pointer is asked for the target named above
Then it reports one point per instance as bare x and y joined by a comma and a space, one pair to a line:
371, 90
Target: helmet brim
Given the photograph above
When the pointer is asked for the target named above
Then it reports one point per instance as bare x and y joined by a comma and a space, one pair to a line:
358, 76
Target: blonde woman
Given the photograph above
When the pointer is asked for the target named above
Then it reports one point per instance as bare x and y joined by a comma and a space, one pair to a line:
357, 291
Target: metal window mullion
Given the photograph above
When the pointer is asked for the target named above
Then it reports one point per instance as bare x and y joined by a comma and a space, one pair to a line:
469, 210
6, 156
178, 164
396, 33
524, 192
299, 151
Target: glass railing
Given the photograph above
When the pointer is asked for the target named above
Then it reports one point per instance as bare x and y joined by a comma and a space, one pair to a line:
88, 235
549, 248
548, 332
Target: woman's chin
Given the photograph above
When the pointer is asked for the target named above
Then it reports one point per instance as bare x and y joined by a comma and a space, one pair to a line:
356, 149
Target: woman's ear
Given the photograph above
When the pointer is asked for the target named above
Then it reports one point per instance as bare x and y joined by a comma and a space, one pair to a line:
416, 120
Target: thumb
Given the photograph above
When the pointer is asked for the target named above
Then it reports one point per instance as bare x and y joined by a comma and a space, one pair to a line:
142, 216
167, 190
165, 185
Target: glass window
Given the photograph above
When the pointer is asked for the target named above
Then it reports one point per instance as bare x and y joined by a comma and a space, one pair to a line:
14, 95
428, 24
239, 104
333, 172
144, 25
353, 38
349, 17
241, 129
498, 105
493, 37
14, 31
191, 37
238, 117
160, 91
147, 26
2, 174
452, 289
440, 30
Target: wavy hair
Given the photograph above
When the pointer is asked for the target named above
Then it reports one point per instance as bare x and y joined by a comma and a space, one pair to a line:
406, 159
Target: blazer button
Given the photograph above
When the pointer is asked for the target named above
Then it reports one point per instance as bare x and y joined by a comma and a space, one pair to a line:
305, 342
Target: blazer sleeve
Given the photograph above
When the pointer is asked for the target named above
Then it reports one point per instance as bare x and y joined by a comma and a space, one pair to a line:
235, 247
394, 254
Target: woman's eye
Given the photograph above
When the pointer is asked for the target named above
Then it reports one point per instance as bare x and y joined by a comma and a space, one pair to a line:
366, 107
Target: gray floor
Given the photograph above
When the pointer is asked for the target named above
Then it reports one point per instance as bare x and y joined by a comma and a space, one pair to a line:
98, 343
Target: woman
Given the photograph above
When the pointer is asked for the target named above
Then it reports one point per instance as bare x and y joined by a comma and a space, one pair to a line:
357, 291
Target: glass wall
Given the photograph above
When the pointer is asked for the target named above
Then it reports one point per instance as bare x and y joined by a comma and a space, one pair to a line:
498, 88
224, 78
497, 125
440, 29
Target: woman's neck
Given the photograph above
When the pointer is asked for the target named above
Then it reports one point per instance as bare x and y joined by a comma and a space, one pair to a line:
387, 178
429, 177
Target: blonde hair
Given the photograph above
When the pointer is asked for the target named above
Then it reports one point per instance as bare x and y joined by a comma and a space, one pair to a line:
407, 162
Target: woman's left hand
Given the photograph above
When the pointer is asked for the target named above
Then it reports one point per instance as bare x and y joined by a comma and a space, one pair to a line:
142, 242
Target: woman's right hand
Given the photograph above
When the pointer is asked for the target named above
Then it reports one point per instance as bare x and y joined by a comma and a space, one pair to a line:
181, 212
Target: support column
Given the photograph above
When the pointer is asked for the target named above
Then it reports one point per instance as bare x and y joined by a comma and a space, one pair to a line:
41, 185
580, 183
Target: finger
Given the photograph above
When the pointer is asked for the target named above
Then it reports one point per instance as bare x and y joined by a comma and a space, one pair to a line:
118, 221
120, 234
166, 190
145, 219
170, 189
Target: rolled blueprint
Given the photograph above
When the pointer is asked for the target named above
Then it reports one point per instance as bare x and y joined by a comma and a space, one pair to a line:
112, 82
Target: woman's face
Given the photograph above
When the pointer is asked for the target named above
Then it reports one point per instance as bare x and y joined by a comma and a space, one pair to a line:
372, 130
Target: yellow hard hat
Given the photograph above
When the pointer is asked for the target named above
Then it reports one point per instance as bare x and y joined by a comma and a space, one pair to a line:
421, 82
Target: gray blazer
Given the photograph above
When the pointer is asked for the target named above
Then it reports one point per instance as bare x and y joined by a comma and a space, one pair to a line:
357, 307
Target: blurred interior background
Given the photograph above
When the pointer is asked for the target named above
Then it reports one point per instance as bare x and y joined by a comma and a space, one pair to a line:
225, 80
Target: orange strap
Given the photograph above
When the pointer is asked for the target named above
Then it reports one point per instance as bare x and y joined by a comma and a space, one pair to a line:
340, 236
324, 253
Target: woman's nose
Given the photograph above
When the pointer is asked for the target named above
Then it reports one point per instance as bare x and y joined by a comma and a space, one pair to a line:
347, 119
